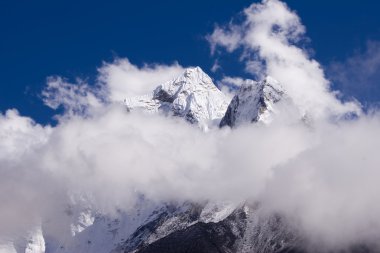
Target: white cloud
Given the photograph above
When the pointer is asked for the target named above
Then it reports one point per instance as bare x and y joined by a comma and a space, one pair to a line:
229, 85
228, 39
123, 79
308, 175
215, 67
234, 81
22, 193
115, 82
76, 98
270, 33
330, 191
19, 134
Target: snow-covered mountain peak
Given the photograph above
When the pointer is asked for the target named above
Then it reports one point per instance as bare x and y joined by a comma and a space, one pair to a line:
254, 102
192, 95
273, 90
195, 73
191, 81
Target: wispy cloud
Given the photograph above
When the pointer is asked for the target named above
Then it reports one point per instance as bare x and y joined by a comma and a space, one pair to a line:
125, 79
359, 75
268, 36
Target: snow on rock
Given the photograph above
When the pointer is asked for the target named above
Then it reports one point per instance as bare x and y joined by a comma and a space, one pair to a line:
254, 102
266, 232
32, 242
85, 219
192, 96
166, 219
99, 232
217, 211
36, 242
7, 247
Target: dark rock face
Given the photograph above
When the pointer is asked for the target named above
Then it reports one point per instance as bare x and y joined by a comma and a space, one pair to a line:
141, 237
162, 95
230, 116
201, 238
251, 101
240, 232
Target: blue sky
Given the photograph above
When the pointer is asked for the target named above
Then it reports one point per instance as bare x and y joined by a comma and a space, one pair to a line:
72, 38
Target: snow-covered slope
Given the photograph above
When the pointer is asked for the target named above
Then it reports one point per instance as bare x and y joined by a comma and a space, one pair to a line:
33, 242
96, 232
192, 96
239, 230
254, 102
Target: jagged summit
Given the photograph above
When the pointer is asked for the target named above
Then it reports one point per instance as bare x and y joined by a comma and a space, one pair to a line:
192, 95
254, 102
195, 97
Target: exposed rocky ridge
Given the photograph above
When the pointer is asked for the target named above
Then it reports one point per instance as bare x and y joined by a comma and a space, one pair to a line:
254, 102
241, 231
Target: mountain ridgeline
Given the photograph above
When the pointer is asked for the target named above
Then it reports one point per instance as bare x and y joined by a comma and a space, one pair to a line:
195, 97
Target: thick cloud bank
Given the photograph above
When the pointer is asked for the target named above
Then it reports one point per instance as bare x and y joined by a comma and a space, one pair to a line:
323, 176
